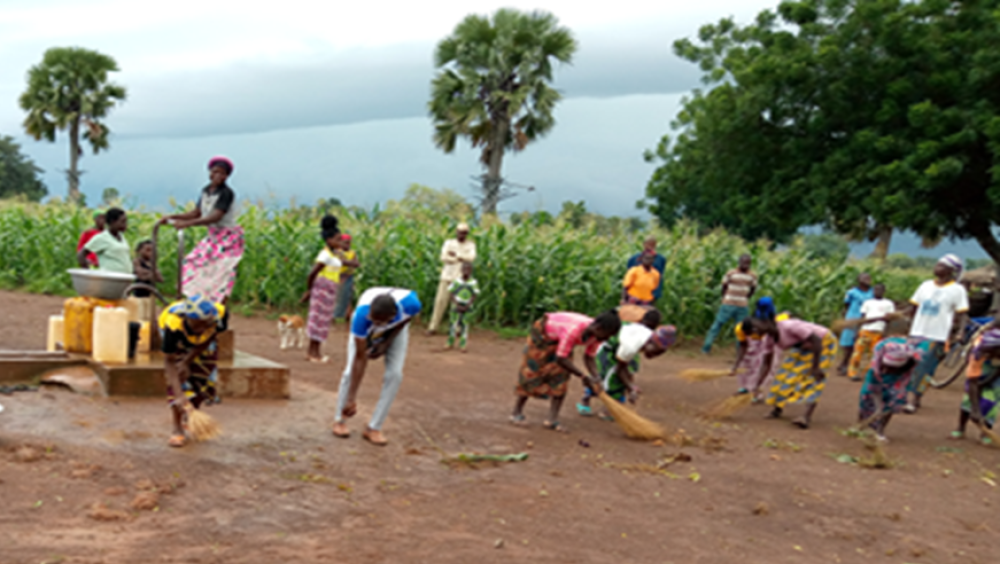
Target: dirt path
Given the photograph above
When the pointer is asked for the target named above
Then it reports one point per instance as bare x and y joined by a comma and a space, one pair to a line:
278, 487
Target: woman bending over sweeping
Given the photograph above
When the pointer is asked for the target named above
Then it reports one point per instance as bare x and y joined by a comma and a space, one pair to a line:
887, 381
808, 351
189, 328
618, 359
981, 401
751, 349
547, 363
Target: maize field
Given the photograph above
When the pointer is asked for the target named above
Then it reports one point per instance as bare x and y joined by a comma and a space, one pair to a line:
523, 270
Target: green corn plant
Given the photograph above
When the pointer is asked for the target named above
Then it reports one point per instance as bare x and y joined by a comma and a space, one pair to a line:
523, 270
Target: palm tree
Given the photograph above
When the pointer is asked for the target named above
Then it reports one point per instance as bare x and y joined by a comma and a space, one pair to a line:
494, 86
70, 88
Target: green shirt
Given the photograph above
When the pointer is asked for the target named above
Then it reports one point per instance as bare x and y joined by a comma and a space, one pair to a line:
464, 290
114, 255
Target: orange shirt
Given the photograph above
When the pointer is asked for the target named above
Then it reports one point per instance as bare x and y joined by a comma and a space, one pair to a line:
640, 283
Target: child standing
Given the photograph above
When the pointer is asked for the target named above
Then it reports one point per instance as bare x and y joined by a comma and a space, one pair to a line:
322, 287
345, 292
853, 301
143, 268
981, 402
464, 292
871, 333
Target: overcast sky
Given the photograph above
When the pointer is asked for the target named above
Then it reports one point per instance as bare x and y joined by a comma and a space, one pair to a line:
317, 99
314, 99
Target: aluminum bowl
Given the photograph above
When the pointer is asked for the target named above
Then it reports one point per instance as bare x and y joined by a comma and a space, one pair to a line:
100, 284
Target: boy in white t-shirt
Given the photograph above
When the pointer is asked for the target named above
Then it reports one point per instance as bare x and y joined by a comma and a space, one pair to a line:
940, 306
872, 332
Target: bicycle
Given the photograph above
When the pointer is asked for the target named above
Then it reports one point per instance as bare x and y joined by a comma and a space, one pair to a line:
957, 358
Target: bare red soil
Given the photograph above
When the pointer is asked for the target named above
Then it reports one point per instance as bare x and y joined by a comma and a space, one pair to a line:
91, 480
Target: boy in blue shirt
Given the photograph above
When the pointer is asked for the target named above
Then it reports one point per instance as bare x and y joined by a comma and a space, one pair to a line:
379, 327
853, 301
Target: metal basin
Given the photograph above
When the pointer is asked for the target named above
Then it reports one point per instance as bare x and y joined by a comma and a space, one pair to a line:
100, 284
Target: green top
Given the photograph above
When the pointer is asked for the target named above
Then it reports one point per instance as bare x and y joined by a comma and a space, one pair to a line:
114, 255
464, 290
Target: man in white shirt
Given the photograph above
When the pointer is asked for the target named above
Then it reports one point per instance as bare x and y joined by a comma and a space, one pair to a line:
940, 307
454, 252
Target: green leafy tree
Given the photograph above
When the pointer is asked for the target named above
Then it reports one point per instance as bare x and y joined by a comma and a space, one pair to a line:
863, 116
110, 196
18, 173
494, 86
69, 90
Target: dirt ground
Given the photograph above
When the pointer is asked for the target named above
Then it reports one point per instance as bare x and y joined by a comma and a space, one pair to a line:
91, 480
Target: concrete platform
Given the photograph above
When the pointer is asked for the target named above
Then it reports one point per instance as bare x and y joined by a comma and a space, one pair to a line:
18, 367
245, 376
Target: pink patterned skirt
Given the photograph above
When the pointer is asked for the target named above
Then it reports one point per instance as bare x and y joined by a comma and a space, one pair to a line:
210, 269
322, 299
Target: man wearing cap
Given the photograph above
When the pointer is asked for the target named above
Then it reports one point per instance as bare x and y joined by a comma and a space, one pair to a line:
939, 306
454, 252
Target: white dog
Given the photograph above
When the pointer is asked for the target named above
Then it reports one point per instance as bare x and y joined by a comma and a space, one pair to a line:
292, 329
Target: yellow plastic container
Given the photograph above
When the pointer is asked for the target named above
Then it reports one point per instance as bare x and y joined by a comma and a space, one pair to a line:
78, 323
111, 335
143, 346
57, 333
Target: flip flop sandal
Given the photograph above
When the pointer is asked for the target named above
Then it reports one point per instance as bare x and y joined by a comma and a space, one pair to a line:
344, 434
518, 420
177, 441
606, 417
554, 426
800, 424
368, 436
322, 360
584, 410
957, 435
986, 441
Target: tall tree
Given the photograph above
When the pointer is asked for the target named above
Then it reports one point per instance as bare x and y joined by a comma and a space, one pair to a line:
18, 173
863, 115
494, 86
68, 90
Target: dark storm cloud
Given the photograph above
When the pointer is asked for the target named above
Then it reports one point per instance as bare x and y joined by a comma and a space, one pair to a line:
367, 85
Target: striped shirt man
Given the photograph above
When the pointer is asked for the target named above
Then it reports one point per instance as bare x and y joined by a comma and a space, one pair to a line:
739, 286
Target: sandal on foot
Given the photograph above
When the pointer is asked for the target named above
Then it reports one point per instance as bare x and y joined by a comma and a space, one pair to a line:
177, 441
956, 435
985, 440
320, 360
340, 431
584, 410
909, 409
518, 420
801, 423
375, 437
606, 417
554, 426
773, 415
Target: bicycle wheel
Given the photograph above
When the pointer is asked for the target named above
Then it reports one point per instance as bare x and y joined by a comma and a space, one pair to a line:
951, 366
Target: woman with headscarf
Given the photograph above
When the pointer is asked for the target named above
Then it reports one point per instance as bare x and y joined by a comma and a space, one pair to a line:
981, 402
618, 358
886, 382
939, 306
210, 268
189, 328
807, 351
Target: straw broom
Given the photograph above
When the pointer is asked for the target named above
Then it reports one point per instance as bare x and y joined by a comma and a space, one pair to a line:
703, 374
728, 407
201, 425
990, 434
634, 425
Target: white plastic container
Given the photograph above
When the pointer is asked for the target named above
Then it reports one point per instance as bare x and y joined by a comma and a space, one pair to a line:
56, 329
111, 335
